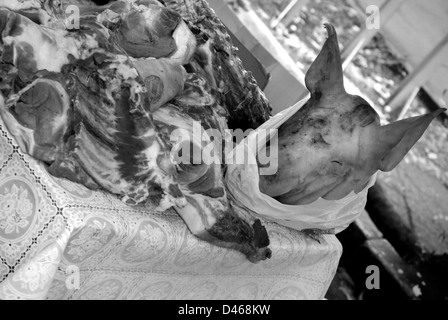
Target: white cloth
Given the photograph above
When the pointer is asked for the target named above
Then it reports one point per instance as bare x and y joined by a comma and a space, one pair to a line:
243, 183
59, 240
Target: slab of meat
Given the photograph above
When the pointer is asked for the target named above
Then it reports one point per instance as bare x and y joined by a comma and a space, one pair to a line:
99, 104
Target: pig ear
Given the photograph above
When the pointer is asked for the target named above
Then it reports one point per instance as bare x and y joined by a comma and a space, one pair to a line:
397, 138
325, 73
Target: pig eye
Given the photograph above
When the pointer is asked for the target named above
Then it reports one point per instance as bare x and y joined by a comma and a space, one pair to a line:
317, 123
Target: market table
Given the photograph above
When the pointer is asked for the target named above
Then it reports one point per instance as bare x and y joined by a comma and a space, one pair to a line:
59, 240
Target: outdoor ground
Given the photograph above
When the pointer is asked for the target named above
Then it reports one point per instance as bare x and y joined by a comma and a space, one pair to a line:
413, 214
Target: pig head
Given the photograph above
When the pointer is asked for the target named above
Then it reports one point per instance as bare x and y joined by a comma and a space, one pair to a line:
335, 142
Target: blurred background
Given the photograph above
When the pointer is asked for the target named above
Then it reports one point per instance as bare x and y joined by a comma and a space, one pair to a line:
395, 56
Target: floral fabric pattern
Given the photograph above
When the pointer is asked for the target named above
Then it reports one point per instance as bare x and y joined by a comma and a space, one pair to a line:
59, 240
15, 208
148, 242
91, 238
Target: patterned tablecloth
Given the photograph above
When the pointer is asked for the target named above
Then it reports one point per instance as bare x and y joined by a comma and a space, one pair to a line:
59, 240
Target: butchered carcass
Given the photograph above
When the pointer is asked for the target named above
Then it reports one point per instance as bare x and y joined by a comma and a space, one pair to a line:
99, 103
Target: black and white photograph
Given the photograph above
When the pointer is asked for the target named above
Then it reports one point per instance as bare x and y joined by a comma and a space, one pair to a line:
222, 155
